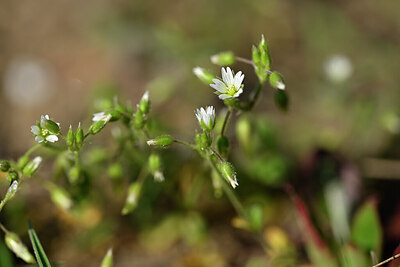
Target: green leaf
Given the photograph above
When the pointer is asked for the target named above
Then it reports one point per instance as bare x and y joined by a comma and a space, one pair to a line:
352, 257
108, 259
366, 231
40, 255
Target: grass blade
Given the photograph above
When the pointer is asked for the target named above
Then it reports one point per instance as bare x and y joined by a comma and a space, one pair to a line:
40, 255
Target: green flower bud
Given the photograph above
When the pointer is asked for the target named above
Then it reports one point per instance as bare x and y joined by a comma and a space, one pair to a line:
255, 55
32, 166
281, 99
22, 161
11, 190
74, 174
15, 244
70, 137
59, 196
154, 163
115, 115
223, 58
204, 75
144, 104
79, 137
52, 127
120, 108
229, 173
139, 120
4, 166
223, 145
108, 259
96, 127
276, 80
163, 141
115, 171
12, 176
132, 199
264, 53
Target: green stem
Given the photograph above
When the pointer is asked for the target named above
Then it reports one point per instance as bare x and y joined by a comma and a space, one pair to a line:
32, 149
185, 144
226, 121
255, 97
245, 60
77, 165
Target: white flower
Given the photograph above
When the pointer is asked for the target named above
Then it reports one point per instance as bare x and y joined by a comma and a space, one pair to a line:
159, 176
230, 86
42, 133
206, 117
100, 116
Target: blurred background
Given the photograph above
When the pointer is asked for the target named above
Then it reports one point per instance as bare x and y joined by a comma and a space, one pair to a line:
340, 60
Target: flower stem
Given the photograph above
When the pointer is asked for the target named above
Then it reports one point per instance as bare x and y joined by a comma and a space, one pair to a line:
226, 121
32, 149
245, 60
185, 144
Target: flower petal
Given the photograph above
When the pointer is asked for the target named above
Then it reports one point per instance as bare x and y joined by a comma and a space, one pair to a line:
224, 96
35, 130
52, 138
39, 139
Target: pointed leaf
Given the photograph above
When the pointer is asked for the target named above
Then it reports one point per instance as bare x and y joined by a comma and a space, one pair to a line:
108, 259
40, 255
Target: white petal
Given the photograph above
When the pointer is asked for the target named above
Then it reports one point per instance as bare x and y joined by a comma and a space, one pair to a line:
39, 139
224, 74
238, 79
35, 130
98, 116
229, 77
238, 93
224, 96
52, 138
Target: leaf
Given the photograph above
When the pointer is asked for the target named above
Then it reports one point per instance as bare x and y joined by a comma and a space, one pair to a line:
40, 255
366, 231
108, 259
353, 257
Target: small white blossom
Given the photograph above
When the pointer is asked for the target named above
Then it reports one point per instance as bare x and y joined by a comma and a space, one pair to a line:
41, 133
99, 116
230, 86
159, 176
145, 96
151, 142
206, 117
280, 85
233, 181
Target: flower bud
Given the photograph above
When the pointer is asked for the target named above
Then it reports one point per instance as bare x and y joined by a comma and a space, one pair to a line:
73, 174
115, 115
79, 136
108, 259
144, 104
154, 162
132, 199
59, 196
12, 176
12, 190
52, 127
229, 173
22, 161
223, 58
32, 167
223, 145
255, 55
276, 80
15, 244
115, 171
139, 120
281, 99
4, 166
204, 75
70, 137
96, 127
162, 140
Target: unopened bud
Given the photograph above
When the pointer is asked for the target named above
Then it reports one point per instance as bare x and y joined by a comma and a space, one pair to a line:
139, 120
115, 115
163, 141
223, 58
12, 176
59, 196
229, 173
79, 136
4, 166
22, 161
154, 162
144, 104
12, 190
32, 167
133, 198
99, 125
203, 140
15, 244
204, 75
276, 80
70, 137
